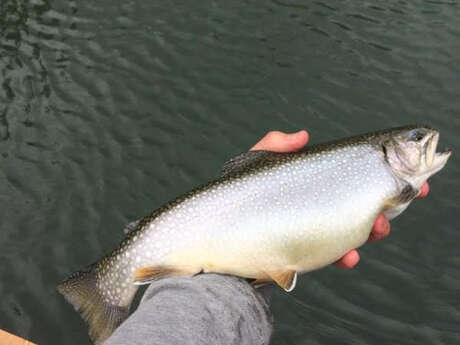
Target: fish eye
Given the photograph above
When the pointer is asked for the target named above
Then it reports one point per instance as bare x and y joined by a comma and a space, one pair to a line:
416, 135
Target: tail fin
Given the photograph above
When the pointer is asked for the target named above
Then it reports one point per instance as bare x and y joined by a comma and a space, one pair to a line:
81, 290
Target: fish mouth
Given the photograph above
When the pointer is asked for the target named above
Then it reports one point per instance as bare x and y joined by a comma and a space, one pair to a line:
435, 160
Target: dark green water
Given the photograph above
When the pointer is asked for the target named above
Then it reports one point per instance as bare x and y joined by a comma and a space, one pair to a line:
108, 109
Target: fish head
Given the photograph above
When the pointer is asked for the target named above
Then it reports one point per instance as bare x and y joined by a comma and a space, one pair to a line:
411, 154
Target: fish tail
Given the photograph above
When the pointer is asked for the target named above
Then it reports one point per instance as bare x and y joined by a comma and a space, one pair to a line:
82, 290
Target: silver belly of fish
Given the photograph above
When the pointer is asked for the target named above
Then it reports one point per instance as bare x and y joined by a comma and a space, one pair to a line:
300, 215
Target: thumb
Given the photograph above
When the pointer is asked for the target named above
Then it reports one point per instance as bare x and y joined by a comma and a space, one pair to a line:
282, 142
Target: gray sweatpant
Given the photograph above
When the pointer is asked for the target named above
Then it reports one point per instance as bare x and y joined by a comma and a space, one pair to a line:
208, 309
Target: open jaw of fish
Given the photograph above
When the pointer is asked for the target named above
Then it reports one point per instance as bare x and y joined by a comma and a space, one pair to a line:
434, 161
268, 217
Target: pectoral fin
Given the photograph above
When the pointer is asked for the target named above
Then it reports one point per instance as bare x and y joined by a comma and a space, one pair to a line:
408, 193
286, 279
395, 206
146, 275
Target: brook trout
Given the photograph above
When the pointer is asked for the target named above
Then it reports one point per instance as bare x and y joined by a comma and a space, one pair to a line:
268, 217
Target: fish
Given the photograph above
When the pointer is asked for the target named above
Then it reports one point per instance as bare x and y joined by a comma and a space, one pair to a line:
268, 217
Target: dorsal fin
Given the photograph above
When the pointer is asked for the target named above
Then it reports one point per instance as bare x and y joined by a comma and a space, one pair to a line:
248, 160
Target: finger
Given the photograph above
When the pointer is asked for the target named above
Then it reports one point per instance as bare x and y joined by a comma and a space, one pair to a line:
381, 229
424, 191
282, 142
349, 260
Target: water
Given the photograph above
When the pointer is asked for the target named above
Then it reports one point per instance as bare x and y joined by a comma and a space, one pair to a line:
108, 110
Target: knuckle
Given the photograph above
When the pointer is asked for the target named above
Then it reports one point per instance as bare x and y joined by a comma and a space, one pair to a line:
273, 135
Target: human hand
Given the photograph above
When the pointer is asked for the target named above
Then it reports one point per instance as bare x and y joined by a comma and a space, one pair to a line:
284, 142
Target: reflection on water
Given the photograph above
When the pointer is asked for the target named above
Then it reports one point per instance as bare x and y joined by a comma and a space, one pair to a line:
108, 111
